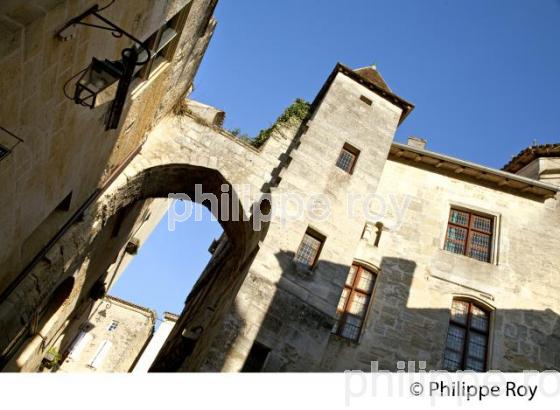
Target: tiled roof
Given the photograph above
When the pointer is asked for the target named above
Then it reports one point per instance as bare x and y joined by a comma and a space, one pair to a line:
372, 75
530, 154
379, 87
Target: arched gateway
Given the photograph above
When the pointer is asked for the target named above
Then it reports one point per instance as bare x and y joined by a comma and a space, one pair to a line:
184, 154
183, 157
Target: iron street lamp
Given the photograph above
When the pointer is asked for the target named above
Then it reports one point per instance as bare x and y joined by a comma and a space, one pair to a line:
103, 81
97, 85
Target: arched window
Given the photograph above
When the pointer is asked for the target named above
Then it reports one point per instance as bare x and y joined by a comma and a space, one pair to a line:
466, 347
354, 302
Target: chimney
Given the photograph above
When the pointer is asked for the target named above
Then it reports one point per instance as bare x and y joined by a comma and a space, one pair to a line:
416, 142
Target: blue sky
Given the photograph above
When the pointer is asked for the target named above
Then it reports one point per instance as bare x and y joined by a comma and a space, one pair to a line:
483, 75
162, 273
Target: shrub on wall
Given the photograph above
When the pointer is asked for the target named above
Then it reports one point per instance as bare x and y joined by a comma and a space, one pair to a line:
295, 112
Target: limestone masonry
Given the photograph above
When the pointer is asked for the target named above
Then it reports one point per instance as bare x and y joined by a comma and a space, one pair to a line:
374, 251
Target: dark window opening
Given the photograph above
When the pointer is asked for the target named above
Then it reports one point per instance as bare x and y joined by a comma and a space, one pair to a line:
256, 359
347, 158
64, 205
3, 152
366, 100
469, 234
354, 302
466, 347
310, 248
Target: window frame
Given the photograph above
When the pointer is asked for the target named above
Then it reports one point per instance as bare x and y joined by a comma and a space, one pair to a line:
113, 326
318, 237
468, 237
366, 100
167, 50
352, 151
352, 290
468, 330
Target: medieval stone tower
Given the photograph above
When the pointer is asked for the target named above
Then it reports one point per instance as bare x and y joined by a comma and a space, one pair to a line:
340, 247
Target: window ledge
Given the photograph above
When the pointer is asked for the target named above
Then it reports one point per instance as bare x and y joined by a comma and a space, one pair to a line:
346, 341
467, 258
138, 89
303, 269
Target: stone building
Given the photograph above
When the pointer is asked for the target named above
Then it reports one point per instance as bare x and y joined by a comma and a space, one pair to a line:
110, 340
59, 157
149, 354
340, 246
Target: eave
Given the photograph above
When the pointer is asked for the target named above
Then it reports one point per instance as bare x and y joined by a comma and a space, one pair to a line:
477, 173
393, 98
406, 106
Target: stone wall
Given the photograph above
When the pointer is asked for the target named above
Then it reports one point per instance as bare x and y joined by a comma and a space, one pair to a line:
66, 151
155, 344
127, 337
251, 290
289, 309
67, 159
417, 279
416, 283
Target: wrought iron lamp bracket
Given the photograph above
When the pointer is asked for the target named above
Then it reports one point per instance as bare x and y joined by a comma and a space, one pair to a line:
67, 32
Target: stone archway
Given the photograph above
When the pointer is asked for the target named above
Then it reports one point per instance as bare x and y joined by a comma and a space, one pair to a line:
179, 155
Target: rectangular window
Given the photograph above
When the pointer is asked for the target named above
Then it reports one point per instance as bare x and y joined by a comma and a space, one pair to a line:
310, 248
354, 302
467, 338
470, 234
162, 43
99, 357
256, 359
366, 100
347, 158
113, 326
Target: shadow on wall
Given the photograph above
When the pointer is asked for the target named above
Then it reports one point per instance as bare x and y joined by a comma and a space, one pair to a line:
36, 246
96, 262
103, 259
293, 336
18, 270
215, 289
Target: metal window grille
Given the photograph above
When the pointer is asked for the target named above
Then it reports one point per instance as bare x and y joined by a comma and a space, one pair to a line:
469, 234
308, 251
346, 160
466, 347
354, 302
113, 326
